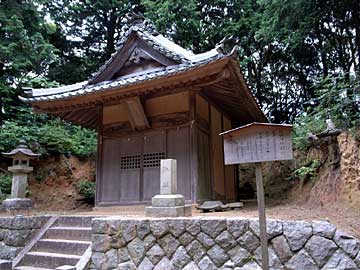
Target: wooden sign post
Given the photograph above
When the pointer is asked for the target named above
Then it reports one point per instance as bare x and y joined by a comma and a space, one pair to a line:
256, 143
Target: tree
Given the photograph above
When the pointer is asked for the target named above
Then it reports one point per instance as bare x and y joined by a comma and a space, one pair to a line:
285, 46
24, 51
87, 34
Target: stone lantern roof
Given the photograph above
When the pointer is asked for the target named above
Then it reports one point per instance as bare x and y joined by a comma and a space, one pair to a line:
21, 149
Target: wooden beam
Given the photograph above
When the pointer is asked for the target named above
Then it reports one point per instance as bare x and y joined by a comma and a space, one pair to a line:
138, 119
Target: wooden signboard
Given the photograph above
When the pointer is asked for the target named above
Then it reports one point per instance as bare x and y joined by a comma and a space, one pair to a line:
256, 143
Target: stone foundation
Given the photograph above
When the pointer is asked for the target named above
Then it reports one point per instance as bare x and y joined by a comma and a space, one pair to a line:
15, 233
219, 243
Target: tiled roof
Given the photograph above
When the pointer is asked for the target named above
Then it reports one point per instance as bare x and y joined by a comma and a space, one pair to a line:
39, 95
186, 60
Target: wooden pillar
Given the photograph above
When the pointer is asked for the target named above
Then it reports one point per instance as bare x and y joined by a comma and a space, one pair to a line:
262, 217
99, 153
193, 148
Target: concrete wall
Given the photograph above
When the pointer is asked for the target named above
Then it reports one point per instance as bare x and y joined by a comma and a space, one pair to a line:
219, 243
15, 232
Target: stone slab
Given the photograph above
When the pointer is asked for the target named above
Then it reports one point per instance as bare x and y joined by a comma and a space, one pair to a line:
5, 265
17, 204
177, 211
187, 210
168, 177
20, 169
168, 200
66, 267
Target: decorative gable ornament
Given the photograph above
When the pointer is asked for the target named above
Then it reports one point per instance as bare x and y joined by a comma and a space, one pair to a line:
136, 56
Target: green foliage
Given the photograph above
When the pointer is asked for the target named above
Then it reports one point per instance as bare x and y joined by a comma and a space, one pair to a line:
87, 33
84, 141
52, 137
336, 98
285, 48
86, 189
303, 126
5, 186
24, 49
309, 170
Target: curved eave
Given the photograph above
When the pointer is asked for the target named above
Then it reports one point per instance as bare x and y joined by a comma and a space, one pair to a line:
122, 86
25, 152
261, 117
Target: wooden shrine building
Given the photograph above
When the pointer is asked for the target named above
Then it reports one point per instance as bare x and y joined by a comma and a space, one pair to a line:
153, 100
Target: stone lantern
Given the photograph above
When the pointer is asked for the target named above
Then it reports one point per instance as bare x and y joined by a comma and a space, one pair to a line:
20, 168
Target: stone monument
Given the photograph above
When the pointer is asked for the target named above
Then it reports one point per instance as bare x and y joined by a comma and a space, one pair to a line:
168, 203
20, 168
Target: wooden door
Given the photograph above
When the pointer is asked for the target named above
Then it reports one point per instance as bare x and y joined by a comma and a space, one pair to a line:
178, 147
109, 192
130, 167
204, 175
154, 150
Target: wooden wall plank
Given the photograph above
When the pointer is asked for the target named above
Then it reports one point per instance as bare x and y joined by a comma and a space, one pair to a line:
230, 181
167, 104
178, 147
204, 188
114, 114
202, 108
217, 154
154, 147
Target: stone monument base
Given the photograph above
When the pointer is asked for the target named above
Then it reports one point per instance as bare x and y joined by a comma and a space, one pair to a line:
17, 204
168, 200
170, 211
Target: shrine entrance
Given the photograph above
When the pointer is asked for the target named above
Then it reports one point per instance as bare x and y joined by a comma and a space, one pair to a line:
131, 165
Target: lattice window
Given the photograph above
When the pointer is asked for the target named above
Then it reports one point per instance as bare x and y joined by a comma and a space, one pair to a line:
130, 162
153, 159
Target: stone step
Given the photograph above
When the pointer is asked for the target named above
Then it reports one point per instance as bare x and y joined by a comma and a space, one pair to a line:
69, 233
75, 247
76, 221
30, 268
48, 260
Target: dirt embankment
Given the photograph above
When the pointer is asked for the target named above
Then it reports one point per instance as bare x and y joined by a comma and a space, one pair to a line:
337, 179
52, 185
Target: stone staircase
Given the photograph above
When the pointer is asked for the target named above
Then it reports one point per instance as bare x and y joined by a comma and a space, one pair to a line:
66, 242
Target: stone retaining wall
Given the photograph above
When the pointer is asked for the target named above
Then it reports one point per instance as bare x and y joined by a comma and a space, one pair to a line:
219, 243
15, 232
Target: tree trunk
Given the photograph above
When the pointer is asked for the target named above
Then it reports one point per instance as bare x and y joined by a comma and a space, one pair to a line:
110, 32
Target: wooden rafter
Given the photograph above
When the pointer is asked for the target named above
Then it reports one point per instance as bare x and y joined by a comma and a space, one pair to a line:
138, 119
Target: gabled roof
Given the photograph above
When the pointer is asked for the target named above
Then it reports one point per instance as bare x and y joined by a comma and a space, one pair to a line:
147, 63
178, 60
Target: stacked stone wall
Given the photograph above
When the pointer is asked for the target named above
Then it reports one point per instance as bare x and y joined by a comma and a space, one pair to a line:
16, 232
219, 243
